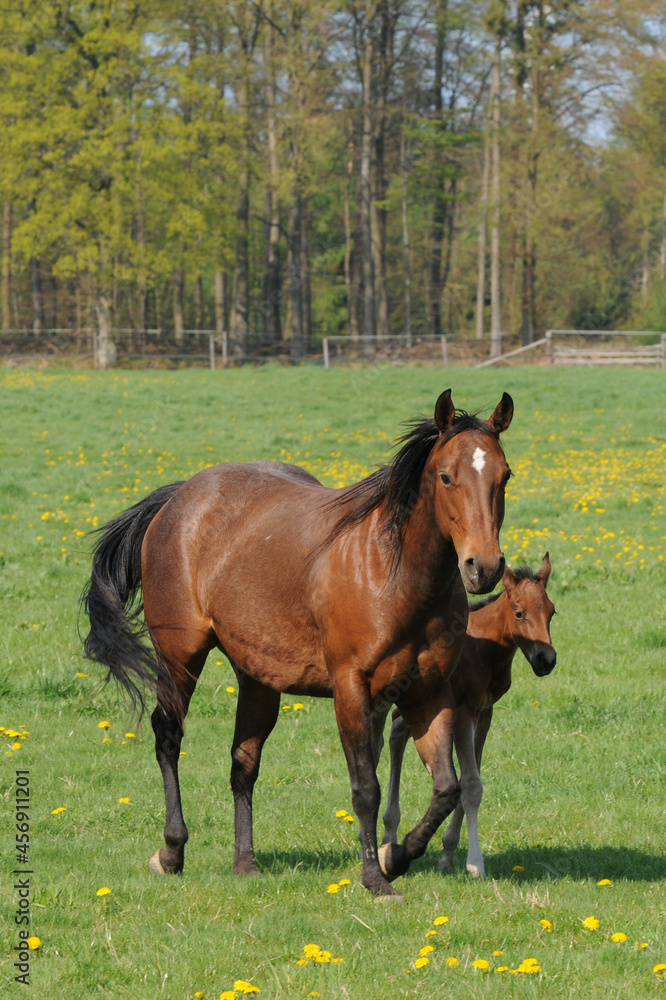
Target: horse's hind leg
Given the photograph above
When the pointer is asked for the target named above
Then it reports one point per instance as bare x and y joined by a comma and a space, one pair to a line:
256, 714
168, 729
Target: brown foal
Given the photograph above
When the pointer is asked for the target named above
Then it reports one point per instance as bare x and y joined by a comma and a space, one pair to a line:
358, 592
518, 618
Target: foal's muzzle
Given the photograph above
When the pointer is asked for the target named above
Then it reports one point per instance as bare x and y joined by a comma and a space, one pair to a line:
480, 577
543, 659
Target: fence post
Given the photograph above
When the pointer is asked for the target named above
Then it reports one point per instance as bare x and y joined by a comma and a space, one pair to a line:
445, 351
663, 350
327, 363
549, 347
225, 348
211, 350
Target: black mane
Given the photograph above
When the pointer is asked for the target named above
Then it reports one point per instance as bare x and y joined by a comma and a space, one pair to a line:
397, 484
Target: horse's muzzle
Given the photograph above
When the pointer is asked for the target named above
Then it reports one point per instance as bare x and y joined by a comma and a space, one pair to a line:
543, 659
480, 578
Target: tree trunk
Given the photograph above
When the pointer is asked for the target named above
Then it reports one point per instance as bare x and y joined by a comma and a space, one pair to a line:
366, 181
350, 288
7, 268
645, 272
406, 253
241, 290
439, 211
178, 290
272, 332
378, 171
198, 304
305, 277
483, 227
662, 255
495, 302
36, 296
294, 264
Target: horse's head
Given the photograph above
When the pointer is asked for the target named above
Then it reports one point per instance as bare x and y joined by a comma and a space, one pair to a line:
471, 473
532, 610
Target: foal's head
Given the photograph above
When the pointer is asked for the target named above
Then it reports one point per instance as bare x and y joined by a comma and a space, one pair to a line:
532, 610
472, 473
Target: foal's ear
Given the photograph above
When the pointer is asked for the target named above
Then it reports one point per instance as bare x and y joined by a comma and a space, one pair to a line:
544, 570
502, 415
445, 412
508, 578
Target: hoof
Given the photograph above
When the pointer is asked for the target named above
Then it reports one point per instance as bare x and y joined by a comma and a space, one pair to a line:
445, 864
389, 897
155, 865
392, 860
476, 871
247, 868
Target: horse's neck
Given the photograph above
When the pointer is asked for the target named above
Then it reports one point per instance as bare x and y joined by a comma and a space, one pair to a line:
426, 555
493, 622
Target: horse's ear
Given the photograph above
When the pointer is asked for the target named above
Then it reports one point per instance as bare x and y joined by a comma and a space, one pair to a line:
502, 415
508, 578
445, 412
544, 571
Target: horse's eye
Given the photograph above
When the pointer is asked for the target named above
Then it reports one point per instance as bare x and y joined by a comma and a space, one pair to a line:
519, 615
446, 479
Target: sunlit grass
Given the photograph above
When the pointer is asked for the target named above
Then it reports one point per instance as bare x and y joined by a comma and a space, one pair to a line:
575, 764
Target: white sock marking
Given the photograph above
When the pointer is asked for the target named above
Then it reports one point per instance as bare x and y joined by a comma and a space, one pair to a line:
478, 460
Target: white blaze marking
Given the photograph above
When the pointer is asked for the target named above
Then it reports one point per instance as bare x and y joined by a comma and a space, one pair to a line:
478, 460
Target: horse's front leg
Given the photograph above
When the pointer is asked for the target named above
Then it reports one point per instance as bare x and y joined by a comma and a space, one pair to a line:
353, 711
431, 724
398, 740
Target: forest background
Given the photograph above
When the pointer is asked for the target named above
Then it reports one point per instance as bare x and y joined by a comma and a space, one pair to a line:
286, 171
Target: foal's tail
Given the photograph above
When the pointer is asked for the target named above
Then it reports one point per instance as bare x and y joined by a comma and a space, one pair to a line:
115, 630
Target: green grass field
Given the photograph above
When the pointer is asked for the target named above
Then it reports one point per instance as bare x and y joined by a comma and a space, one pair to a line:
575, 764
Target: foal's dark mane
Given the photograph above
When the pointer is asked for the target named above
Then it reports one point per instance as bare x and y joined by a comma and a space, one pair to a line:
396, 485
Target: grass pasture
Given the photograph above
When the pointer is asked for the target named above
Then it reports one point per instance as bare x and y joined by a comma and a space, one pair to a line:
575, 764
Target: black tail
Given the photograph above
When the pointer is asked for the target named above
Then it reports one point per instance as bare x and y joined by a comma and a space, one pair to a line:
115, 630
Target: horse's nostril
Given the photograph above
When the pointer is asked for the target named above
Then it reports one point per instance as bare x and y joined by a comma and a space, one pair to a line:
471, 562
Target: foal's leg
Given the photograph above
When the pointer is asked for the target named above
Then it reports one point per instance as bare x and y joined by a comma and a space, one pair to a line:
353, 711
168, 731
256, 714
431, 725
398, 740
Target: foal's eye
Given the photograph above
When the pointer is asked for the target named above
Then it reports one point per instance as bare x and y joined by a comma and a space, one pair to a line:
446, 479
519, 615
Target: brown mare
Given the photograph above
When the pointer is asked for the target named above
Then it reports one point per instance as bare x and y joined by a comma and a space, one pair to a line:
517, 618
359, 592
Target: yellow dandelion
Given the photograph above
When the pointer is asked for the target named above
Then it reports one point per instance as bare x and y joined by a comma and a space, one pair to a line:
104, 725
33, 943
333, 887
242, 987
124, 801
591, 923
228, 995
286, 708
659, 969
298, 706
452, 962
311, 950
341, 812
198, 995
438, 921
530, 965
431, 933
79, 674
605, 881
325, 956
16, 746
546, 924
60, 809
480, 963
302, 961
106, 740
517, 868
104, 891
502, 968
347, 819
644, 944
618, 937
496, 953
426, 949
420, 962
314, 994
130, 736
231, 690
344, 881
